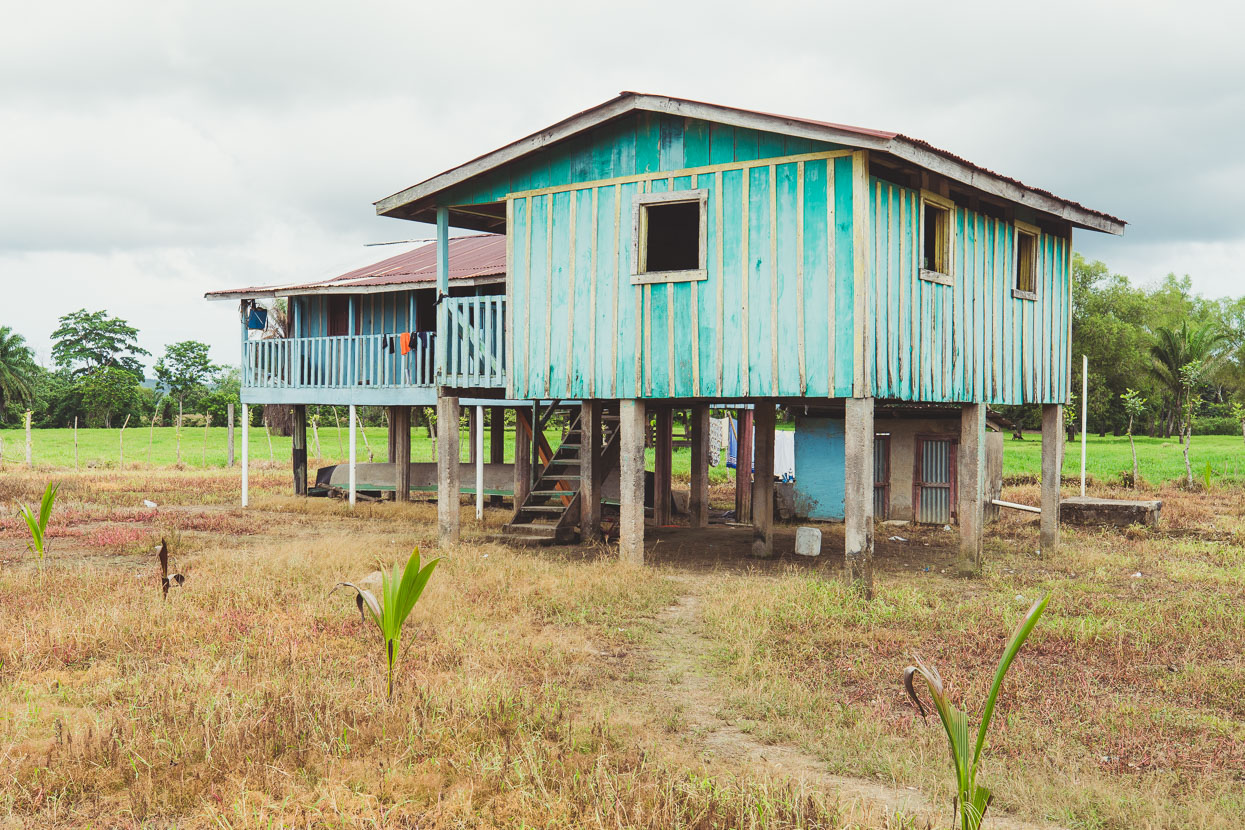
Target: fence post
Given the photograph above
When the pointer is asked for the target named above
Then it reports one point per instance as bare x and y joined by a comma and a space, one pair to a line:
179, 431
75, 443
229, 414
121, 444
29, 455
207, 423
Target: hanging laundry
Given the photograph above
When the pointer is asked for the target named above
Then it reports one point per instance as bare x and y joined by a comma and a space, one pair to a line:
405, 339
257, 319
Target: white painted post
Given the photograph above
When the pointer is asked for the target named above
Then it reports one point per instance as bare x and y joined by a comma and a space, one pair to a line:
246, 452
1084, 413
229, 446
30, 458
479, 462
75, 442
353, 441
121, 444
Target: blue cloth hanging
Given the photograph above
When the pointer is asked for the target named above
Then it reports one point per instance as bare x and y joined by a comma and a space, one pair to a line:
257, 319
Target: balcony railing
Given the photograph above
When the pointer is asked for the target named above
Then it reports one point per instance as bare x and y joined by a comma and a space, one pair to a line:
373, 360
474, 355
475, 349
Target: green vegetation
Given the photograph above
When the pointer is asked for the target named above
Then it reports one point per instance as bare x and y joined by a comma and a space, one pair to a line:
400, 590
972, 799
38, 523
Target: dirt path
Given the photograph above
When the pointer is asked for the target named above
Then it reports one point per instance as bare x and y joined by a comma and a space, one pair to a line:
683, 685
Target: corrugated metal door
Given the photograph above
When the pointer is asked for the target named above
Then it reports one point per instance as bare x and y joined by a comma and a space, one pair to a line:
881, 477
934, 481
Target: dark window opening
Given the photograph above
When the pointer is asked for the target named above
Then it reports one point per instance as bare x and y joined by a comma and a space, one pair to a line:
672, 240
936, 239
1026, 261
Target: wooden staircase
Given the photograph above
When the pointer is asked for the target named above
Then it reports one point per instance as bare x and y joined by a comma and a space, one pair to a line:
551, 512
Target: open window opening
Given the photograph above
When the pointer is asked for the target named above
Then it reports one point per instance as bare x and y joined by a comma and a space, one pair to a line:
1026, 262
670, 232
936, 238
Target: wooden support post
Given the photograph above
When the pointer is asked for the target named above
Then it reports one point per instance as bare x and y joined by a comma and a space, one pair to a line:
590, 470
632, 427
858, 493
523, 420
497, 443
448, 459
477, 457
970, 481
663, 460
352, 417
743, 468
298, 454
391, 438
763, 482
229, 444
1052, 473
698, 503
246, 452
400, 431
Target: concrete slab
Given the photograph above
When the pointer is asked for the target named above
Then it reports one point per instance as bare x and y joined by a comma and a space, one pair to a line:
1084, 510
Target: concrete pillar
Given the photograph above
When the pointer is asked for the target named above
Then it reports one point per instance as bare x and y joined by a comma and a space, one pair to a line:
590, 470
663, 461
763, 481
299, 452
497, 443
743, 468
448, 485
522, 454
632, 421
970, 483
698, 504
400, 437
1052, 472
858, 493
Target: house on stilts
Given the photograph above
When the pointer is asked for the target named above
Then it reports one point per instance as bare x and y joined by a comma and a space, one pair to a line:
662, 254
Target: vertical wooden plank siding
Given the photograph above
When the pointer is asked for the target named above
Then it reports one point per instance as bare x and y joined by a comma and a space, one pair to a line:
972, 340
762, 322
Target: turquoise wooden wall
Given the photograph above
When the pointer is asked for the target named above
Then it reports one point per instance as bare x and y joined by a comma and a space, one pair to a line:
972, 340
774, 318
379, 313
643, 142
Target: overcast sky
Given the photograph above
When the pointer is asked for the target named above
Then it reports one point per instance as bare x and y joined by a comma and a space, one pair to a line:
151, 151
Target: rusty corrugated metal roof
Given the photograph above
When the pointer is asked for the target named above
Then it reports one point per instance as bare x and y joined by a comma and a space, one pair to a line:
471, 257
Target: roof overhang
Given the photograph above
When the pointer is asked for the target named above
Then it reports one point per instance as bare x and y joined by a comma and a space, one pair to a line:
269, 292
418, 202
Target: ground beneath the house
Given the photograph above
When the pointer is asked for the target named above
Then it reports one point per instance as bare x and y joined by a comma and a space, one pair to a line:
557, 688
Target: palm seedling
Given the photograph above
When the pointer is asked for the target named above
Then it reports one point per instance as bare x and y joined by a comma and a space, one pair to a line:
38, 523
971, 799
400, 590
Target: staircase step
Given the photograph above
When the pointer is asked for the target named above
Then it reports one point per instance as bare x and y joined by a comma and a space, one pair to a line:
543, 508
549, 494
541, 534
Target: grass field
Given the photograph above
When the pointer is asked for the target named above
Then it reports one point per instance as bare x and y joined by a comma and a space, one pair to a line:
558, 688
1160, 461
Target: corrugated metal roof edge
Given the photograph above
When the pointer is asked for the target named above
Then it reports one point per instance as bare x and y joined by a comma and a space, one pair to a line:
628, 101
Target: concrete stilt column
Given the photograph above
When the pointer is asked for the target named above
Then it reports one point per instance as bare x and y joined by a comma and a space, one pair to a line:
246, 455
632, 421
663, 462
743, 468
448, 485
1052, 472
970, 483
858, 493
391, 449
522, 454
590, 470
763, 481
299, 452
400, 435
497, 443
698, 503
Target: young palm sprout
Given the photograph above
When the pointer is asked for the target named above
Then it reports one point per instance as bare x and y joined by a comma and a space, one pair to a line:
167, 580
38, 524
400, 590
971, 799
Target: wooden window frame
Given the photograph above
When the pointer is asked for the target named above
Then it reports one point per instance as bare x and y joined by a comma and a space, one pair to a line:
1035, 233
885, 484
639, 253
918, 474
948, 244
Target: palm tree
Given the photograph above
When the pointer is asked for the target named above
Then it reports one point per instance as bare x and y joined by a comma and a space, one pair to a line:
1175, 348
17, 368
